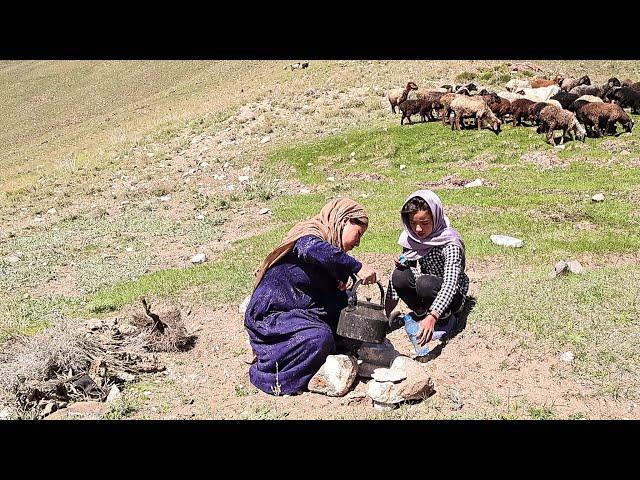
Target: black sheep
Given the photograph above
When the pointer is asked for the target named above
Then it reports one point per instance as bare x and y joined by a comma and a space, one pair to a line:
565, 98
626, 97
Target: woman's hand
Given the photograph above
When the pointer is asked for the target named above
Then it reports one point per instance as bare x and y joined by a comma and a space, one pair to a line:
342, 286
367, 274
426, 329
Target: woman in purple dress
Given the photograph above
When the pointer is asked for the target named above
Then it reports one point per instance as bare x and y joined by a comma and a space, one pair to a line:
299, 291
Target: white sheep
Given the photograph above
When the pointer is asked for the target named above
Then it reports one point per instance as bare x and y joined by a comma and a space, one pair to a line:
541, 94
511, 96
590, 98
516, 84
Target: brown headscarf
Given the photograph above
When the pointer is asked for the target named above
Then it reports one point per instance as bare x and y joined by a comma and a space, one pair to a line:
327, 225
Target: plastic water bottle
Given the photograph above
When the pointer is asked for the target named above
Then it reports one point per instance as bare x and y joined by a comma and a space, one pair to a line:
402, 260
412, 328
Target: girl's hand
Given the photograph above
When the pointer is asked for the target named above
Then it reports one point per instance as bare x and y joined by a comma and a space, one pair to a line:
367, 274
342, 286
426, 329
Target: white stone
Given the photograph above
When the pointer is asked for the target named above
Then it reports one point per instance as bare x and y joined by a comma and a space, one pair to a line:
353, 154
199, 258
309, 164
231, 187
265, 139
204, 165
52, 211
129, 249
218, 177
4, 414
598, 197
200, 217
478, 182
243, 178
243, 306
12, 258
417, 385
393, 375
19, 254
165, 198
575, 267
305, 191
147, 393
384, 407
353, 161
335, 377
225, 165
403, 166
506, 241
264, 211
560, 268
383, 392
331, 179
114, 394
567, 357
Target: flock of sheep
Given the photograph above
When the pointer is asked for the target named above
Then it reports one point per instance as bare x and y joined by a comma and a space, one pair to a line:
572, 105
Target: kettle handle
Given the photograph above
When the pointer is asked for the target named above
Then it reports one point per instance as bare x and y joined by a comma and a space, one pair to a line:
354, 299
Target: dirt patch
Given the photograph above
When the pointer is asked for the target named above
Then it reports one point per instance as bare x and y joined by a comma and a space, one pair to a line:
544, 160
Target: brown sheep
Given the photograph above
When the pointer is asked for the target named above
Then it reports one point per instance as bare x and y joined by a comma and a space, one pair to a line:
399, 95
474, 107
542, 82
569, 83
553, 118
521, 110
603, 116
412, 107
501, 107
443, 105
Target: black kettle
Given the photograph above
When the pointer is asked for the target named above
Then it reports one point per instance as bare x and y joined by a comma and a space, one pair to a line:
363, 320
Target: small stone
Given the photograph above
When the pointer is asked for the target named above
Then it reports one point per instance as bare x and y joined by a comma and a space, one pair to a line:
331, 179
384, 407
243, 306
263, 211
199, 258
353, 154
506, 241
417, 385
353, 161
218, 177
392, 375
231, 187
12, 258
114, 394
200, 217
129, 249
305, 191
4, 414
204, 165
560, 268
575, 267
243, 178
165, 198
225, 165
335, 377
25, 296
567, 357
598, 197
309, 164
147, 393
126, 377
383, 392
561, 147
19, 254
52, 211
94, 324
403, 166
478, 182
265, 139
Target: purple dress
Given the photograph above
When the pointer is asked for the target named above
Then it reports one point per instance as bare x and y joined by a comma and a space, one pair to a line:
293, 315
